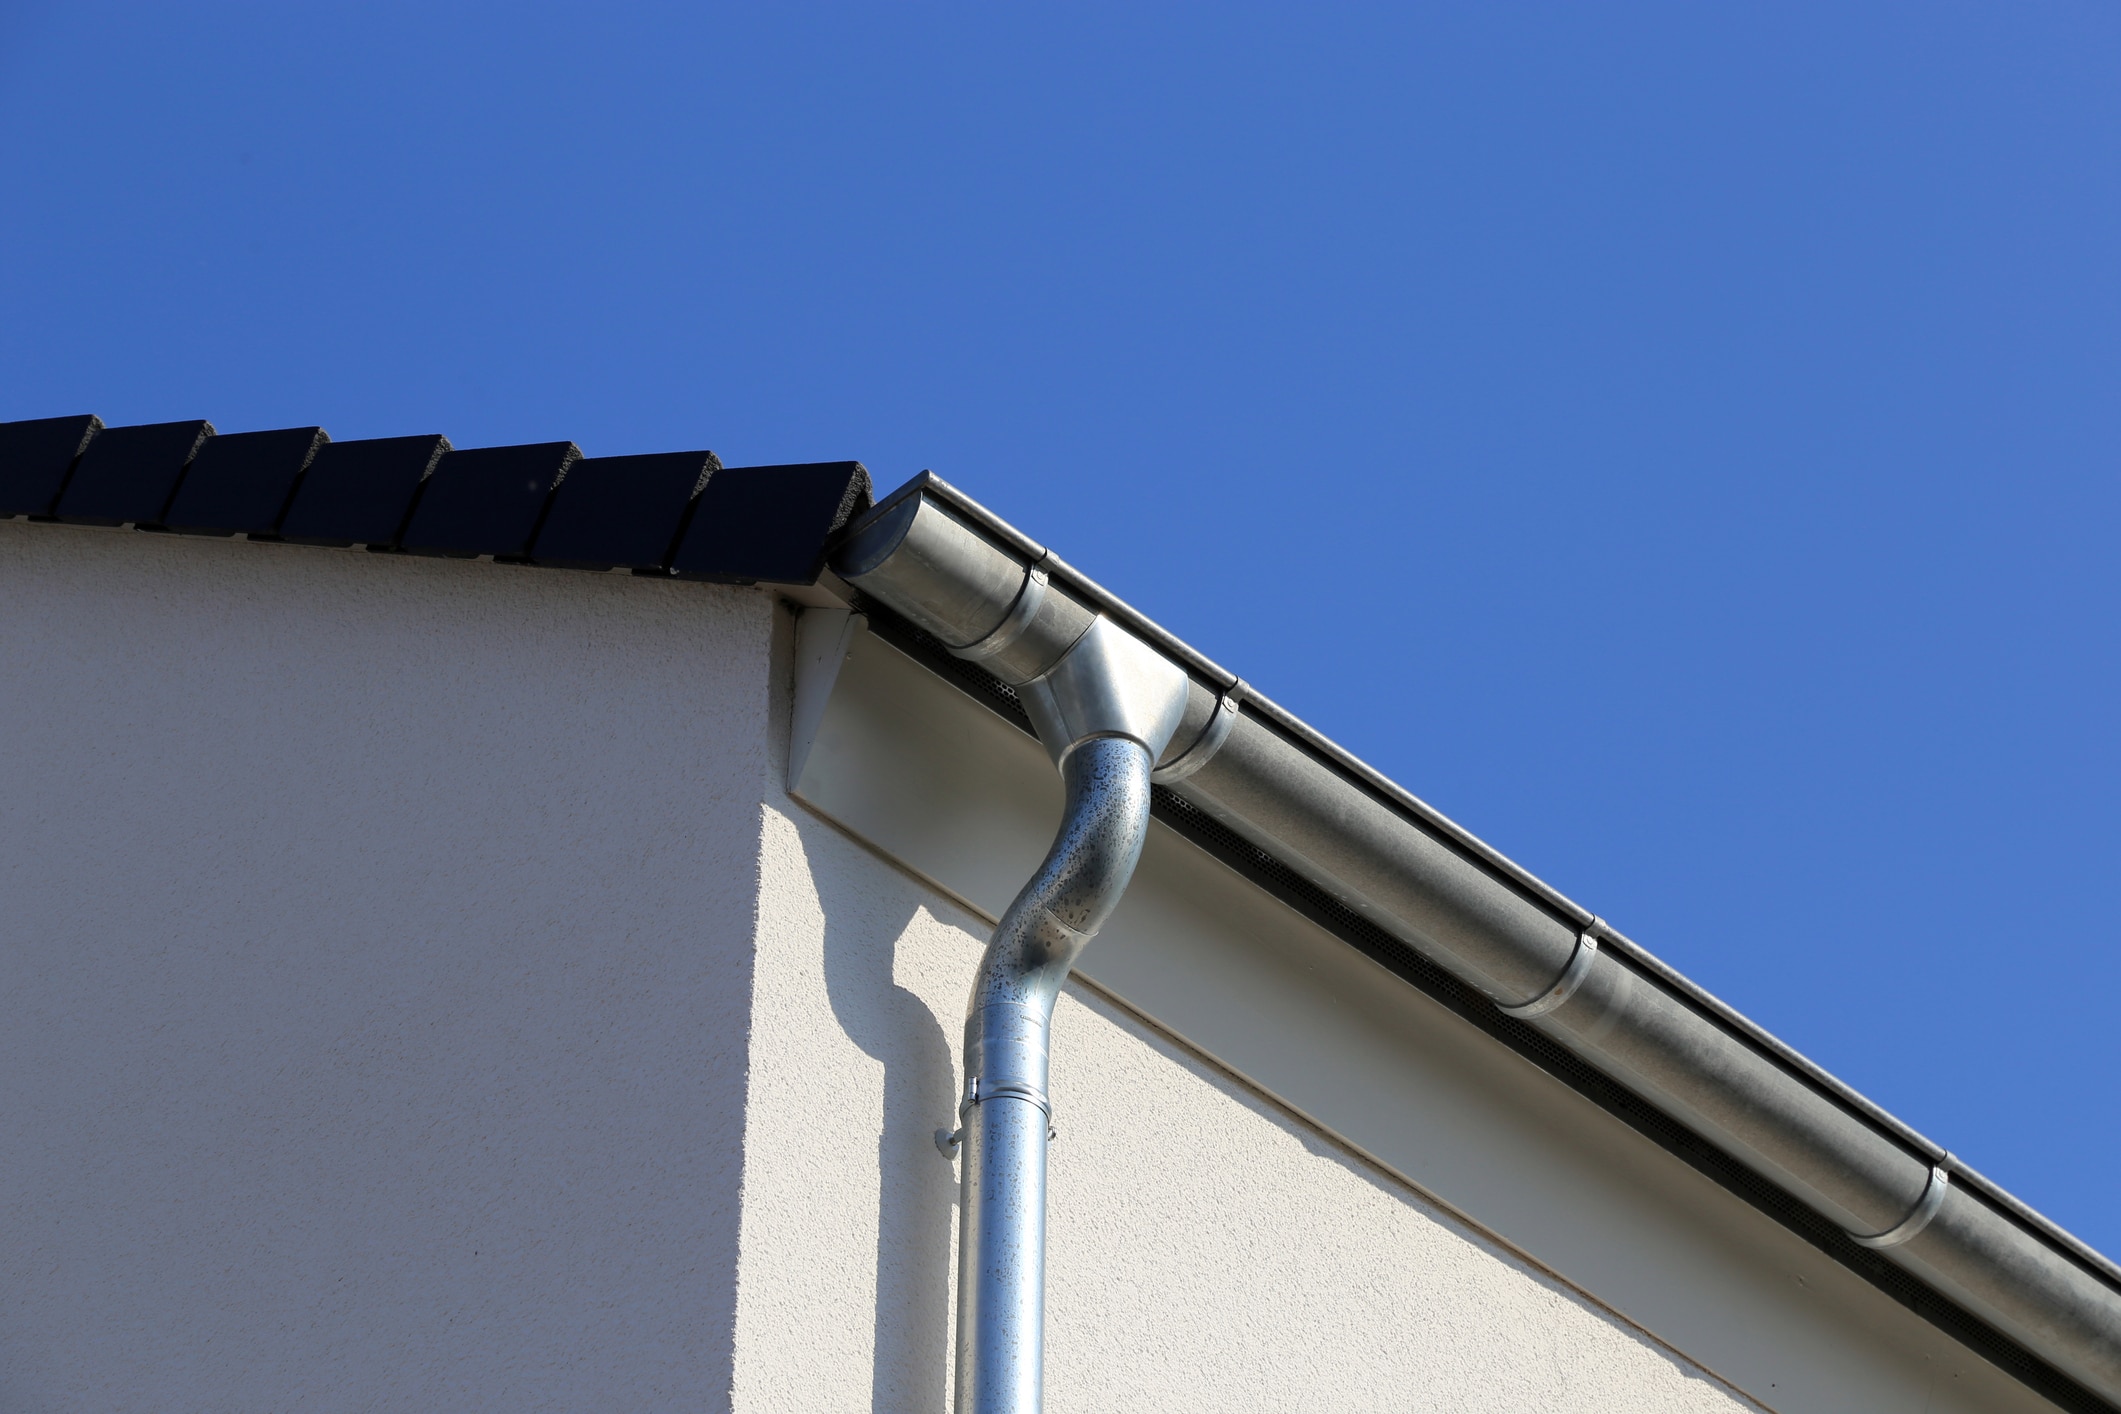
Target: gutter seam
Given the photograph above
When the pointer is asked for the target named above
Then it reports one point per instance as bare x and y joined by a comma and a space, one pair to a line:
1566, 984
1918, 1218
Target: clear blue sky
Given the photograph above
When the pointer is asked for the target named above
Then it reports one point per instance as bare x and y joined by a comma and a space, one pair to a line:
1679, 441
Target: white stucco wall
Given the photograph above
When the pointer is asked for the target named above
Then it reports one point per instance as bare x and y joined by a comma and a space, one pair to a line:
376, 938
1448, 1119
1206, 1251
424, 994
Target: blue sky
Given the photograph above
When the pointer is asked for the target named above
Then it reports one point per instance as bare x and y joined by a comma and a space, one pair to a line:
1678, 441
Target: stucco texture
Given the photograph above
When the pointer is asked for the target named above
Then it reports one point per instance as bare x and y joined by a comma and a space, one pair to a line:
1206, 1250
923, 776
376, 938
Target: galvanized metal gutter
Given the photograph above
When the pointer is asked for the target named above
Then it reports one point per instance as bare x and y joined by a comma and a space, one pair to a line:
961, 574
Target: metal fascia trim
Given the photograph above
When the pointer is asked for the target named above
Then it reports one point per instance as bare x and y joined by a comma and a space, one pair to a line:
1566, 984
1925, 1208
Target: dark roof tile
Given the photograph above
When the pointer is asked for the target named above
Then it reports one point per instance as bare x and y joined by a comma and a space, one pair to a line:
359, 493
35, 457
128, 473
243, 481
676, 512
770, 523
487, 501
621, 512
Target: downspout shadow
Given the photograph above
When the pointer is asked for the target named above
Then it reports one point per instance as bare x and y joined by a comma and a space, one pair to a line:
916, 1185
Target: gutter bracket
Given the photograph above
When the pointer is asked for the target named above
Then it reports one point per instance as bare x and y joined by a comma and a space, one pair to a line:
823, 639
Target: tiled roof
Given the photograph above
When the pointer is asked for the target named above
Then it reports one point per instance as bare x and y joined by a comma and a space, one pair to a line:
680, 514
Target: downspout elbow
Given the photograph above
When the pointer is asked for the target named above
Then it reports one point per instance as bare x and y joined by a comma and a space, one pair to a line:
1106, 706
1104, 712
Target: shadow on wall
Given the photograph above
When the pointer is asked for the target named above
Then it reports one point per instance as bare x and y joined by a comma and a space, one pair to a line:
916, 1186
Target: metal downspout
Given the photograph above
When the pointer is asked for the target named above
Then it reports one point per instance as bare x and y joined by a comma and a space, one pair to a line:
1006, 1112
1106, 706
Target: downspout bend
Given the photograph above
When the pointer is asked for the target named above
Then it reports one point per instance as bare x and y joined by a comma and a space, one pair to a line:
1105, 712
1106, 706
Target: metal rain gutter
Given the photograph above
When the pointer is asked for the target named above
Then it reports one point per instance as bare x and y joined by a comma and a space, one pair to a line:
962, 575
1106, 705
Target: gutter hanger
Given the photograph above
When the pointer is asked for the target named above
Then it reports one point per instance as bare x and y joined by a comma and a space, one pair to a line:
954, 570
